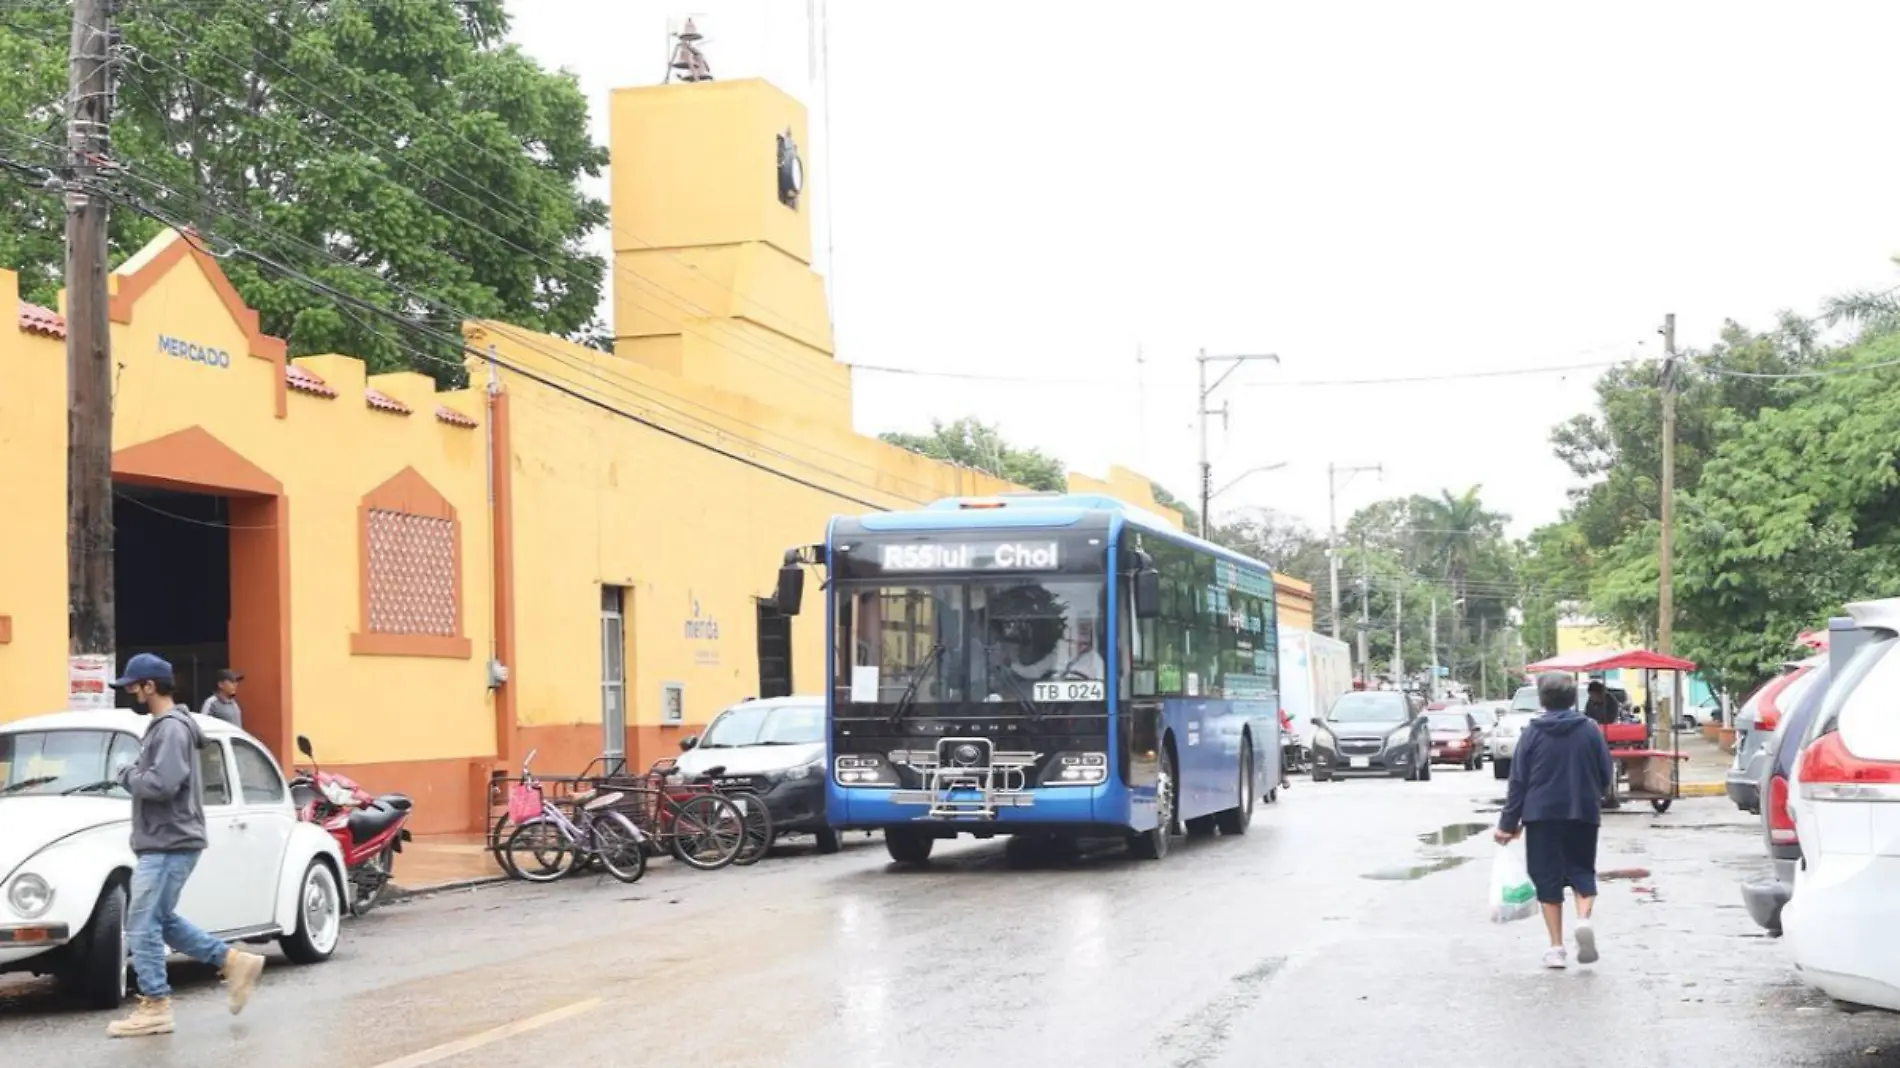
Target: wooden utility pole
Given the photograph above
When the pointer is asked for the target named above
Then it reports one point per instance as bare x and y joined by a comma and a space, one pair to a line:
1365, 610
1484, 655
88, 339
1665, 566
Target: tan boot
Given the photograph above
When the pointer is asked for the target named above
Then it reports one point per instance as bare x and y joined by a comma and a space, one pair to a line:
151, 1016
240, 973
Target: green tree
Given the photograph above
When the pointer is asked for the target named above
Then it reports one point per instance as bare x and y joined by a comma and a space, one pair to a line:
1453, 532
404, 138
979, 445
1190, 518
1796, 513
1278, 540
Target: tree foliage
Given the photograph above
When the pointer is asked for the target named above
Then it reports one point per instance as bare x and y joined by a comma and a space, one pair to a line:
376, 145
973, 443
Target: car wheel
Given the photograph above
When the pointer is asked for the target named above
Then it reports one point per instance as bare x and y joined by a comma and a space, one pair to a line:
1153, 844
1500, 768
828, 841
97, 972
1235, 820
319, 916
1425, 767
1322, 776
907, 846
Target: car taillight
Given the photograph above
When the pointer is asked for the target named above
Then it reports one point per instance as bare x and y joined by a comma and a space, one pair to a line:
1780, 820
1831, 772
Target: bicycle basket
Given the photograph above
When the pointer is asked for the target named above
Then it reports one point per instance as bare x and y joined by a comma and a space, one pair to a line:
524, 802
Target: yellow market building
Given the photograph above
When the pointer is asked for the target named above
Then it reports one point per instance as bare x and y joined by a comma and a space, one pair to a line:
570, 556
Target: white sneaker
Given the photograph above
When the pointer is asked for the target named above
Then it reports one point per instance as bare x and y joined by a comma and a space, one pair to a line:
1554, 958
1586, 943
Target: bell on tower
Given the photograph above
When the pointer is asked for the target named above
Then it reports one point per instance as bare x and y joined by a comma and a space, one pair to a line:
688, 63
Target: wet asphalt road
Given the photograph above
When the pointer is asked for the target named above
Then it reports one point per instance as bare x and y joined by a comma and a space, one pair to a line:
1331, 933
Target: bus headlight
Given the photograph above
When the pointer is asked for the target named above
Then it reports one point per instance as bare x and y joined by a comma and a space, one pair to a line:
1076, 769
864, 769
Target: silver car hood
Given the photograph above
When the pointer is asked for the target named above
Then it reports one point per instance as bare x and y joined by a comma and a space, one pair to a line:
750, 759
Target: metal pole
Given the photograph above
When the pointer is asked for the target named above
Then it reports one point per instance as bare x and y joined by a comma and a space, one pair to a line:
89, 578
1484, 653
1431, 684
1207, 471
1665, 594
1398, 634
1365, 612
1332, 540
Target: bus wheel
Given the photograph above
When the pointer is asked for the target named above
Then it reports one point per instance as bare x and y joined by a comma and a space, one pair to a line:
907, 846
1153, 844
1236, 819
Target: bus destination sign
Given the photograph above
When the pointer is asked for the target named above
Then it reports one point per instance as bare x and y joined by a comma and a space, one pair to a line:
972, 556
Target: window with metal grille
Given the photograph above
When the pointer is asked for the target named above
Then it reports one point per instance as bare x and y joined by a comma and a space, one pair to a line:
411, 574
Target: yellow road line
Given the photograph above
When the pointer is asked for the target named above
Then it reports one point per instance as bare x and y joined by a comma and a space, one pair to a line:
436, 1054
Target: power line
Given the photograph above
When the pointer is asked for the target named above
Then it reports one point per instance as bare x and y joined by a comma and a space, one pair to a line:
1311, 383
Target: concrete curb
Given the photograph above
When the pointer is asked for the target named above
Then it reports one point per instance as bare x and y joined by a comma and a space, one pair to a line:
399, 892
1704, 789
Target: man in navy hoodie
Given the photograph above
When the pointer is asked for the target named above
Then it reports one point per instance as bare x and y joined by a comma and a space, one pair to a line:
1560, 771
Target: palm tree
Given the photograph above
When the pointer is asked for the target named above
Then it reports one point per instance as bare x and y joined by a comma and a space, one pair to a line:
1451, 529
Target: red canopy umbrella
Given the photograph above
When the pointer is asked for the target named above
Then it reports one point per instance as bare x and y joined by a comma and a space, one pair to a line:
1813, 639
1588, 660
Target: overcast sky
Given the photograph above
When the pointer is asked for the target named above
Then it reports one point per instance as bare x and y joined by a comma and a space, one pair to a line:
1046, 190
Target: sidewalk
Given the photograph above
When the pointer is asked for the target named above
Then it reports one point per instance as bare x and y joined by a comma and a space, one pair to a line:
1705, 773
445, 862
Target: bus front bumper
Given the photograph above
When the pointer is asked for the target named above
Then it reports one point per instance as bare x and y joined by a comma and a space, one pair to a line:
869, 808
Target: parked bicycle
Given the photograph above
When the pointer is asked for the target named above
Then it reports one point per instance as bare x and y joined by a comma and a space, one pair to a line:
759, 833
547, 844
701, 827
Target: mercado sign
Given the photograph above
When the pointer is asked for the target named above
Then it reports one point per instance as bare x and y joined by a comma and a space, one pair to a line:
179, 348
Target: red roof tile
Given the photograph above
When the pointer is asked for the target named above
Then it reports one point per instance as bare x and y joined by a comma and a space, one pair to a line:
306, 381
452, 417
383, 402
43, 321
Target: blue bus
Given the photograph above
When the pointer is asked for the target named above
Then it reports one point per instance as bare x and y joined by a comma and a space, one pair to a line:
1051, 667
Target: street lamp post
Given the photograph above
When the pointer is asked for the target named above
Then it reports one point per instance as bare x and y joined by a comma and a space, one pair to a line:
1333, 471
1200, 406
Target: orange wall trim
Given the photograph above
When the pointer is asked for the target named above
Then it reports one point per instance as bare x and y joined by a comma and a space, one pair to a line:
502, 534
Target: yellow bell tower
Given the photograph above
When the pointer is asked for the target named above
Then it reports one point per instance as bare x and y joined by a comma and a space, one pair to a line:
712, 275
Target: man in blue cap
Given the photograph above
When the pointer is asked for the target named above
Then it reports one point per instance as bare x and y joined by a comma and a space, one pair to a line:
168, 834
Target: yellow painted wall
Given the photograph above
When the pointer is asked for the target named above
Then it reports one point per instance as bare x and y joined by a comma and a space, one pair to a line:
1577, 635
327, 453
33, 530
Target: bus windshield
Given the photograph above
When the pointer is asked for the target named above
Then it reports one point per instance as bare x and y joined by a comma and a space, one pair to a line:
968, 641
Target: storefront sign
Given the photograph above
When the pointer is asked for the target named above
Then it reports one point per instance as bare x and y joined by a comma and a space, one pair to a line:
179, 348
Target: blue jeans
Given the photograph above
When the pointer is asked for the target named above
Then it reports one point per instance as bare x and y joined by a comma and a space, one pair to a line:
154, 922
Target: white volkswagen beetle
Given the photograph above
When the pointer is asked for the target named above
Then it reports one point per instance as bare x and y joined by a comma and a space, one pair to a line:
66, 855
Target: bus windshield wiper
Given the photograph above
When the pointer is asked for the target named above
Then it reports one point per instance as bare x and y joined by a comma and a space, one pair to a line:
916, 680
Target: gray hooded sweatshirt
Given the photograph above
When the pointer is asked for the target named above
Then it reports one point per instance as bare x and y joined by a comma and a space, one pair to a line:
168, 812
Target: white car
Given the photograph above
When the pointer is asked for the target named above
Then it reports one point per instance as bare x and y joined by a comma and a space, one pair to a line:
1845, 799
1502, 742
66, 855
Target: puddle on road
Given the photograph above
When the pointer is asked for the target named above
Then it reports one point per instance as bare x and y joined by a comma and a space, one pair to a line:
1453, 833
1408, 872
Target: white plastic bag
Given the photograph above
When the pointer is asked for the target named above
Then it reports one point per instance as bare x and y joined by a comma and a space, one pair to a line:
1512, 895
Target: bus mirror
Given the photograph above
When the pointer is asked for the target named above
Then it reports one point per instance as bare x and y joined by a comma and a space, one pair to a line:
791, 589
1147, 593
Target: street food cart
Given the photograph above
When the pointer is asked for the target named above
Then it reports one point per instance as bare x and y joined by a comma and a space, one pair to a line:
1647, 768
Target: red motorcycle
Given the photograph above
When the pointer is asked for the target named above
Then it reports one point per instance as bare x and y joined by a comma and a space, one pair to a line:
369, 830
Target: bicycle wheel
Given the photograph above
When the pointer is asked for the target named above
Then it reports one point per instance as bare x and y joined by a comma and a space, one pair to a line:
617, 845
758, 826
498, 836
708, 832
540, 851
